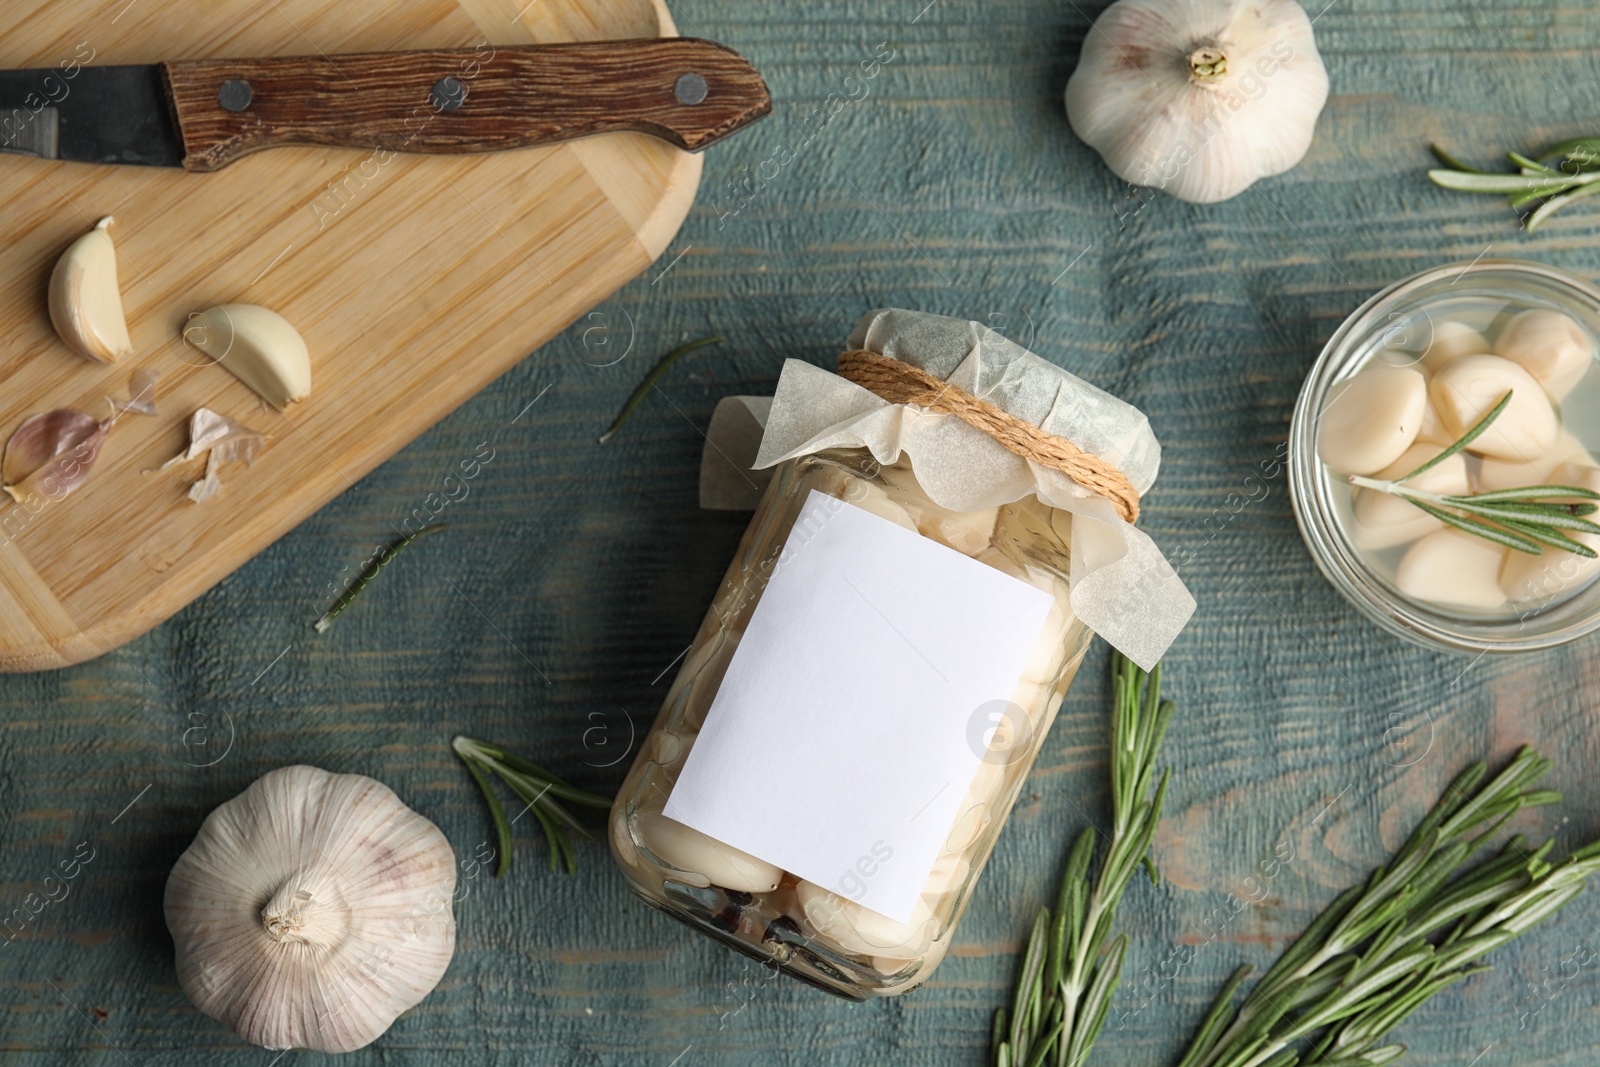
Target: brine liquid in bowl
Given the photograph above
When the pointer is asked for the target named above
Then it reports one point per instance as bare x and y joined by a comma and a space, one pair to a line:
1421, 384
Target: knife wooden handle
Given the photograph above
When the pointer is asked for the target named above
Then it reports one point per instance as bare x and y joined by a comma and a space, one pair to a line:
684, 90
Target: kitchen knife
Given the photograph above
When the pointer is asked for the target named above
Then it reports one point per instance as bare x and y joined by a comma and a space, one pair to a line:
202, 115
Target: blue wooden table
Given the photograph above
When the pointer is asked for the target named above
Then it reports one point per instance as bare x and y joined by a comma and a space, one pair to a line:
570, 578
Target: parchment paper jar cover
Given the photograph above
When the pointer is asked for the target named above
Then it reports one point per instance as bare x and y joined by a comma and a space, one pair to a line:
781, 756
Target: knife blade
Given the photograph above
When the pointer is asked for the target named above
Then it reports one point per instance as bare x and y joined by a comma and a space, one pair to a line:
202, 115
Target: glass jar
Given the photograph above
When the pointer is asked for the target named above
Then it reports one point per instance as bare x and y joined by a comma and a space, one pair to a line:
810, 933
1396, 326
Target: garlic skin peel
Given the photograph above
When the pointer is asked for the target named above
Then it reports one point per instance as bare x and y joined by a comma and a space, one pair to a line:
85, 300
311, 910
258, 345
1198, 97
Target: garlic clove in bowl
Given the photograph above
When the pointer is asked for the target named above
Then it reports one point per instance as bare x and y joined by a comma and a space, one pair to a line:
311, 910
1199, 98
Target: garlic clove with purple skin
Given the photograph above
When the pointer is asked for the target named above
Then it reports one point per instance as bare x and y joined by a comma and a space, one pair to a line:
1466, 390
1550, 346
1371, 418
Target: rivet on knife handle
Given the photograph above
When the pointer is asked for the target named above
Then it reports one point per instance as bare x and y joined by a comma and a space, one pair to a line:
686, 91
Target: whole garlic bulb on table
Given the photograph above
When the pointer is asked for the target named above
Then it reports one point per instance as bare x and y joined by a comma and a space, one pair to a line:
1198, 97
311, 910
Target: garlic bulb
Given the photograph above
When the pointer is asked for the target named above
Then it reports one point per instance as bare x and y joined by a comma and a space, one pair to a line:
311, 910
85, 300
1198, 97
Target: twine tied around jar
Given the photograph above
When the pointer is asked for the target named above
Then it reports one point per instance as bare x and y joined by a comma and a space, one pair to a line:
899, 382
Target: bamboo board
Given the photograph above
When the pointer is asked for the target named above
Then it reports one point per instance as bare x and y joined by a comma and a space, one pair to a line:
415, 280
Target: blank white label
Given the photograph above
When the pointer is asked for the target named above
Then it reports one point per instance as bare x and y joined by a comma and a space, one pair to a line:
852, 718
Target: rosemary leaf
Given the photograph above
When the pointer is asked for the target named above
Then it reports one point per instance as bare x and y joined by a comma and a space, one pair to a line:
1064, 987
1560, 175
1527, 164
1452, 162
370, 572
1532, 492
1503, 183
1556, 203
1385, 947
655, 375
1465, 439
539, 790
1498, 535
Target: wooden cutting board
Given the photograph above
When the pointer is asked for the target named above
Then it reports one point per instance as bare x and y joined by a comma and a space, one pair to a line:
415, 282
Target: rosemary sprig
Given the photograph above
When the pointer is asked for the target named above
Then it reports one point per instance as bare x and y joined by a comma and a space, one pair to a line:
1574, 176
1416, 926
655, 375
536, 787
1064, 988
370, 572
1528, 519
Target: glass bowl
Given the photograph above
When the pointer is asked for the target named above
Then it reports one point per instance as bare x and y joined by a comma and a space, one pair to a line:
1396, 325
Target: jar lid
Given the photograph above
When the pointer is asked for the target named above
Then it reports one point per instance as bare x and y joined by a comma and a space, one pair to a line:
1121, 585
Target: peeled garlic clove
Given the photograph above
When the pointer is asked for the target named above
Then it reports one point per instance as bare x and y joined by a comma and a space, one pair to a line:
1434, 431
873, 498
1198, 97
1550, 346
1384, 520
85, 300
1453, 569
967, 532
1371, 418
949, 872
692, 851
1466, 390
1452, 340
856, 929
1540, 579
1544, 577
311, 910
259, 346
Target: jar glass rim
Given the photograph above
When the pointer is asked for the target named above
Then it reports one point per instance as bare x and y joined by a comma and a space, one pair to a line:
1339, 560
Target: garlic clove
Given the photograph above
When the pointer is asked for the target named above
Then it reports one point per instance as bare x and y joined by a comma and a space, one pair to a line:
967, 532
1540, 579
1452, 340
1530, 579
692, 851
1371, 418
1550, 346
874, 498
1453, 569
51, 454
856, 929
85, 299
1199, 98
1464, 392
1384, 520
311, 910
1434, 431
258, 345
